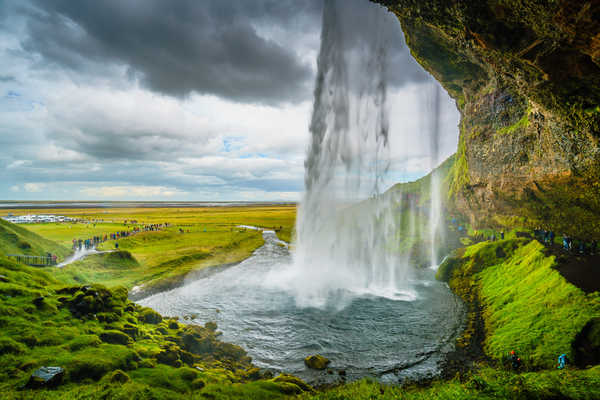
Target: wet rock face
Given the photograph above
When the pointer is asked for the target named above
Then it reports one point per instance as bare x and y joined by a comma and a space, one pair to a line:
526, 79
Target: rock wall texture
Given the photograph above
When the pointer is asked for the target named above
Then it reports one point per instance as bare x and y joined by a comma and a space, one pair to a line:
525, 75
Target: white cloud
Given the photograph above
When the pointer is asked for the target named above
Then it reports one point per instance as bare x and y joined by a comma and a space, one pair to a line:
18, 164
32, 187
54, 153
130, 192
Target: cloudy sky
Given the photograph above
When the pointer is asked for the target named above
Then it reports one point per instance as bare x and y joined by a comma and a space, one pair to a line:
188, 100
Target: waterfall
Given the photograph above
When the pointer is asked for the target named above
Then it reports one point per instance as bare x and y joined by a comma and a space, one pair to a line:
435, 206
346, 228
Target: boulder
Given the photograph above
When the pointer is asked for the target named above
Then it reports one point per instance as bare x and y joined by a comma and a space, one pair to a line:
131, 330
211, 326
46, 377
169, 356
316, 362
150, 316
118, 376
115, 337
293, 384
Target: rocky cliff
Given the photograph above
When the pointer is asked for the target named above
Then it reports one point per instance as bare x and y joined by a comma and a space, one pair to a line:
525, 75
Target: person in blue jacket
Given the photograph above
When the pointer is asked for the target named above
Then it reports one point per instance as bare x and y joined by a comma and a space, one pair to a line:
562, 361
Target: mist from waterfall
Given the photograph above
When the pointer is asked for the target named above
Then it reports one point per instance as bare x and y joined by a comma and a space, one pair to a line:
352, 238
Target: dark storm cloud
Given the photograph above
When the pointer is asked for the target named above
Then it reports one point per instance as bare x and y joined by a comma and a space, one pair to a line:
178, 47
211, 47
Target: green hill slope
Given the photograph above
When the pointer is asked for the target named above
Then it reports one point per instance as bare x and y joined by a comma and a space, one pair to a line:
15, 239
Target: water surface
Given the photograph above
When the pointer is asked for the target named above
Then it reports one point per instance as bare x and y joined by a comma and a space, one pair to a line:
372, 336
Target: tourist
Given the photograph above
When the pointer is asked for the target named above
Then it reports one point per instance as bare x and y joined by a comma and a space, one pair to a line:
562, 361
515, 361
502, 235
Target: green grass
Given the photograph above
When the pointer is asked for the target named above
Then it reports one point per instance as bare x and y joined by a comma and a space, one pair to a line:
15, 239
161, 259
486, 383
99, 364
152, 259
527, 305
530, 307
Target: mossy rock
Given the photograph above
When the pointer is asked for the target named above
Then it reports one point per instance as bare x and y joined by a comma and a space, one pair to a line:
150, 316
198, 384
170, 355
115, 337
211, 326
294, 380
83, 341
118, 376
316, 361
10, 346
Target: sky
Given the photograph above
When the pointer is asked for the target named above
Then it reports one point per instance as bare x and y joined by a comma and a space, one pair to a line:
187, 100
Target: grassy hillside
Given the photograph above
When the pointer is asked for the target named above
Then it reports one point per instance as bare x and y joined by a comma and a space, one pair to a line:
15, 239
158, 260
527, 305
112, 348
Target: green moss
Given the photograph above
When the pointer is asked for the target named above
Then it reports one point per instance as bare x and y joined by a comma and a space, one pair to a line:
115, 337
150, 316
458, 176
10, 346
520, 124
176, 379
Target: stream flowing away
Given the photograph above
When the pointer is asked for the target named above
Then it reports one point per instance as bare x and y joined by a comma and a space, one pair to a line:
374, 336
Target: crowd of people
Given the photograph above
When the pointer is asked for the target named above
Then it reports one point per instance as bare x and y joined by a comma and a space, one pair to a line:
91, 243
578, 246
